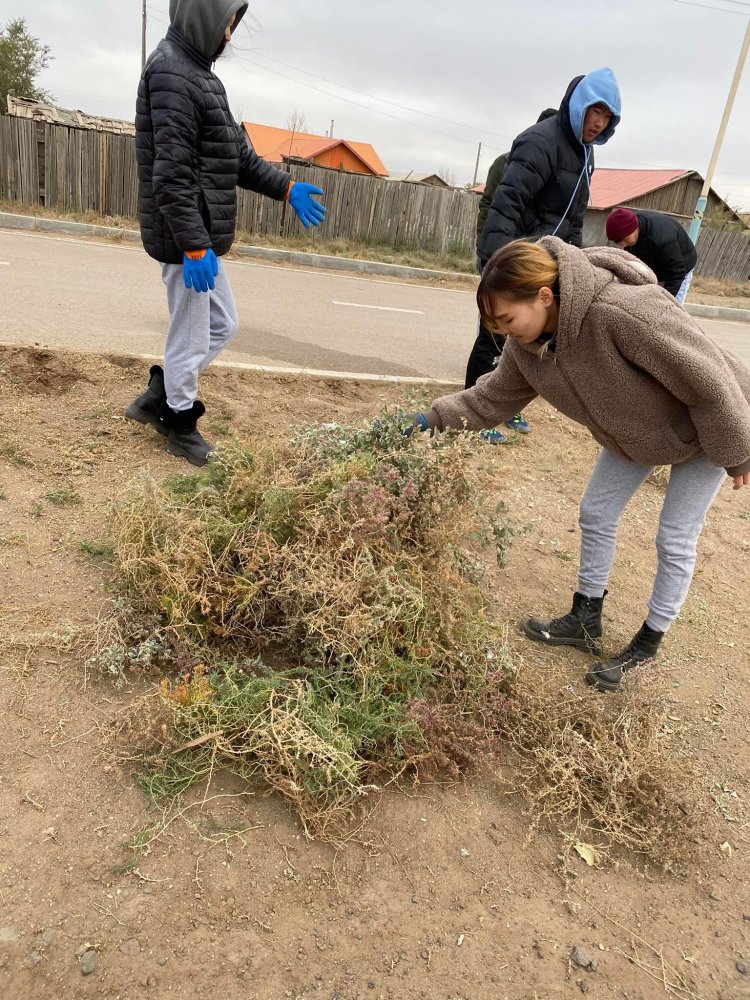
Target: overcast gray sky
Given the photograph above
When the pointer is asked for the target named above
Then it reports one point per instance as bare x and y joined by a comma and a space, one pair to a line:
454, 73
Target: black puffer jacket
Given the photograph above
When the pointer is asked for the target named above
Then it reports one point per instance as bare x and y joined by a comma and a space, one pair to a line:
665, 247
544, 167
191, 153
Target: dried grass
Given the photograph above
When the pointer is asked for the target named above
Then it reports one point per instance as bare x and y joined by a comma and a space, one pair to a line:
349, 559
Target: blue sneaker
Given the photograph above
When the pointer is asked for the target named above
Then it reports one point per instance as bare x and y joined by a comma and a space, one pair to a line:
518, 423
493, 437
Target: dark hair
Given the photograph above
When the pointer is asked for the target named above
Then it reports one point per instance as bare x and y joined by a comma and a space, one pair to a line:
518, 270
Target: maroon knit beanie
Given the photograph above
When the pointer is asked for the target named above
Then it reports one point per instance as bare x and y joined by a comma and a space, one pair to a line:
621, 223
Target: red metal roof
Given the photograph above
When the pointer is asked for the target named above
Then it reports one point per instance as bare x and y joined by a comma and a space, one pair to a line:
610, 187
274, 143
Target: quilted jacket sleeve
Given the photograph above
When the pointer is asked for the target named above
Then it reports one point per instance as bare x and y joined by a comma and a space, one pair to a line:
257, 174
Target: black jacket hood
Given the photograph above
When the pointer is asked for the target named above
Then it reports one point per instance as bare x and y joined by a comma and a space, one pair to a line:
203, 22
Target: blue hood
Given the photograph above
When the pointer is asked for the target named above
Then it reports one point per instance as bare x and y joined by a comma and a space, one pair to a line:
598, 87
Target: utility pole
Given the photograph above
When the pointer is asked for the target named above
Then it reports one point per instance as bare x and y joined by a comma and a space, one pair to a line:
143, 35
476, 168
700, 207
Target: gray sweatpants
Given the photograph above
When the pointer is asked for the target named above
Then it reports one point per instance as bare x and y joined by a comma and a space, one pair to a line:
201, 324
691, 491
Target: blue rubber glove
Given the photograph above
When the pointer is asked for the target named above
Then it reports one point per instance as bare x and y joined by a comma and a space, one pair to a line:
309, 212
418, 422
199, 268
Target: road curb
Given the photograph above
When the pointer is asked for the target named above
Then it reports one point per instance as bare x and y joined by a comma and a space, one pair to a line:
718, 312
36, 223
9, 220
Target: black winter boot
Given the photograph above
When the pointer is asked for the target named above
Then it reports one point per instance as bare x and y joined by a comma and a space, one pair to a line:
581, 627
606, 676
185, 440
146, 408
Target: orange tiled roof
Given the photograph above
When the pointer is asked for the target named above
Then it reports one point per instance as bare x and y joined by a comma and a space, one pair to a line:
274, 143
610, 187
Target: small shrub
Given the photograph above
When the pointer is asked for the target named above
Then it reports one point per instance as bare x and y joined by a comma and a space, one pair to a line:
96, 550
64, 496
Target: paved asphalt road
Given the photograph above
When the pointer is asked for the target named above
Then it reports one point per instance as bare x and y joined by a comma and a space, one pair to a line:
63, 292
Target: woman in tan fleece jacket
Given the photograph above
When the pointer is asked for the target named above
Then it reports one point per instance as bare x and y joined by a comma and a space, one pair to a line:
592, 333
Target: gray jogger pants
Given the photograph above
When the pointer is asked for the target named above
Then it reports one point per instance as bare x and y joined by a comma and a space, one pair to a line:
201, 324
691, 491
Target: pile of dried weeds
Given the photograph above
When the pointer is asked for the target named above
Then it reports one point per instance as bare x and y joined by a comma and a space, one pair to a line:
343, 553
329, 590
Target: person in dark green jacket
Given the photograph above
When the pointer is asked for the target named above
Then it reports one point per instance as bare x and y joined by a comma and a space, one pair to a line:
488, 348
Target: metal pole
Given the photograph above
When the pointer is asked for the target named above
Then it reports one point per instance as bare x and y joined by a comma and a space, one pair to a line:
143, 35
700, 207
476, 168
331, 132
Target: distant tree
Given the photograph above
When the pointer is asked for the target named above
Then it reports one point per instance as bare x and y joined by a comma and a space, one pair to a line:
448, 174
22, 59
296, 121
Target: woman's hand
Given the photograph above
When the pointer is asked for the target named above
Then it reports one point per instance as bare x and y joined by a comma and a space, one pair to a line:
740, 481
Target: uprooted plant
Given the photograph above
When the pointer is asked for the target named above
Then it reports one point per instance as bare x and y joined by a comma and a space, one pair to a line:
329, 591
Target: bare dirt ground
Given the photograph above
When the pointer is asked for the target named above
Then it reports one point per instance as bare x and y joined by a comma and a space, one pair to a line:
720, 292
443, 894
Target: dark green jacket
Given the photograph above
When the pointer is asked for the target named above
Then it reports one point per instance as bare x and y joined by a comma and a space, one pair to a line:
493, 179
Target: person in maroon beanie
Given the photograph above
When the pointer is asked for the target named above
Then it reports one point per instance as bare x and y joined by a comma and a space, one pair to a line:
660, 242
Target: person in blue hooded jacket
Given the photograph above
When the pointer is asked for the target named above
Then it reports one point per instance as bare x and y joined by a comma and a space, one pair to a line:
545, 186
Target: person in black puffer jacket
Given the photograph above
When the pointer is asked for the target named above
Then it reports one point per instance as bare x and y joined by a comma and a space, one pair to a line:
660, 242
544, 189
191, 157
494, 176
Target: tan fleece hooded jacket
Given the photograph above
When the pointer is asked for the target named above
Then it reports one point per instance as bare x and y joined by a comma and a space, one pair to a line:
629, 363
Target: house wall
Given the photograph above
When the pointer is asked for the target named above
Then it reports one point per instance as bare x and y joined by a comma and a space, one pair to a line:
678, 199
341, 158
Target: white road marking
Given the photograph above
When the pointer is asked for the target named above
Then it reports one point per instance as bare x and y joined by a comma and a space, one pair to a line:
390, 309
4, 263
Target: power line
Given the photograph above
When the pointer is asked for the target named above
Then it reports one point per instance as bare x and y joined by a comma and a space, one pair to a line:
704, 6
375, 111
248, 62
384, 100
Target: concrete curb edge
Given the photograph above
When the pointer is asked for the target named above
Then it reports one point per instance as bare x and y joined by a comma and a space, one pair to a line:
9, 220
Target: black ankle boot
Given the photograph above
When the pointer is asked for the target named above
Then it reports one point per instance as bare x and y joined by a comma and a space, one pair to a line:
606, 676
146, 408
184, 439
581, 627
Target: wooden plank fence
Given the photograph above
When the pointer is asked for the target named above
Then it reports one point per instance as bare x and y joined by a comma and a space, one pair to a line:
723, 254
19, 165
77, 170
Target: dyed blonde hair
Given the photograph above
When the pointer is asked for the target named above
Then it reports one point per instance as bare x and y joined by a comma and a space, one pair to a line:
518, 270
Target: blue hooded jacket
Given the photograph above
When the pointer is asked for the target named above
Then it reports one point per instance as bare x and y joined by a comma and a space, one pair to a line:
597, 87
544, 189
